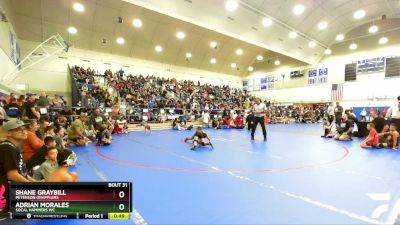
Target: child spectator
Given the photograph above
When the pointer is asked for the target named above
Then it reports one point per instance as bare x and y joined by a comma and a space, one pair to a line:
103, 137
39, 157
372, 139
65, 159
239, 122
121, 126
48, 166
50, 132
327, 129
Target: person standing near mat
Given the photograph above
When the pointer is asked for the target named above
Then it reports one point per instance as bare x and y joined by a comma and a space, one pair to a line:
259, 111
394, 113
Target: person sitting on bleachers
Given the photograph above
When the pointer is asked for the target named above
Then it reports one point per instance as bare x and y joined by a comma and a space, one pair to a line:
12, 109
344, 129
50, 132
33, 143
39, 157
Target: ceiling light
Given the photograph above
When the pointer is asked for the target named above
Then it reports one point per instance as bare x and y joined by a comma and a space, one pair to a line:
158, 48
137, 23
353, 46
327, 51
298, 9
277, 62
339, 37
72, 30
266, 22
383, 40
312, 44
213, 44
213, 61
231, 5
292, 34
233, 65
322, 25
239, 51
359, 14
260, 57
373, 29
120, 40
188, 55
79, 7
180, 35
250, 68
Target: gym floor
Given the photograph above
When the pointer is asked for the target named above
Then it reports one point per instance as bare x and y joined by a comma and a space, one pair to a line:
296, 177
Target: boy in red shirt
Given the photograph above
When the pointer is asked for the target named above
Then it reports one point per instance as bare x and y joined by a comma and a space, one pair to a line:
239, 122
372, 139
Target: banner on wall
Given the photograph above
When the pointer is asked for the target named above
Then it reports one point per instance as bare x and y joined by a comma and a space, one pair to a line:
323, 75
250, 85
312, 77
257, 84
15, 49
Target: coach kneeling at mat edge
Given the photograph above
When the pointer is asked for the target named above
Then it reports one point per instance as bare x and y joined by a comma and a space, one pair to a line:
344, 129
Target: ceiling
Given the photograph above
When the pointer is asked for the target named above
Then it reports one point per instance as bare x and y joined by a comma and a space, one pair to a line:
202, 21
36, 20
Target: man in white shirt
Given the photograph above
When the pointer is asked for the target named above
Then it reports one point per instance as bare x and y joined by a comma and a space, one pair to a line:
394, 113
259, 110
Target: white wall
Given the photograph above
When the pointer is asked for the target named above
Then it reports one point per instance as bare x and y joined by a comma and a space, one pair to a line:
368, 90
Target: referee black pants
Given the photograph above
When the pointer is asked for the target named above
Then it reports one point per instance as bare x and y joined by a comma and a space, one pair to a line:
260, 120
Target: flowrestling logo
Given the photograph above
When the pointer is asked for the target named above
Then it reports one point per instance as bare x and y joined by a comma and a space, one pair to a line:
3, 200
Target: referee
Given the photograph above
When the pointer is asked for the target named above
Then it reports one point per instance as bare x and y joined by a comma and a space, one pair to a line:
259, 111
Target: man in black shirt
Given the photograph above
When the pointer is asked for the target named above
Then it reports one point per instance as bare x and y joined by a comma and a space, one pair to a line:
338, 113
344, 129
29, 107
379, 122
199, 138
12, 167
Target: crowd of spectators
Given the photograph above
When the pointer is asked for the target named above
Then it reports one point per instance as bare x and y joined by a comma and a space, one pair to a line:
382, 127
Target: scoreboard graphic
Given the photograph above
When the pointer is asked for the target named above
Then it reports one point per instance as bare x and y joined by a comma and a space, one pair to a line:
82, 200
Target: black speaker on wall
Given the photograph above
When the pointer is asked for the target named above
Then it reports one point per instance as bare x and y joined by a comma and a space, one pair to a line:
392, 67
350, 72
